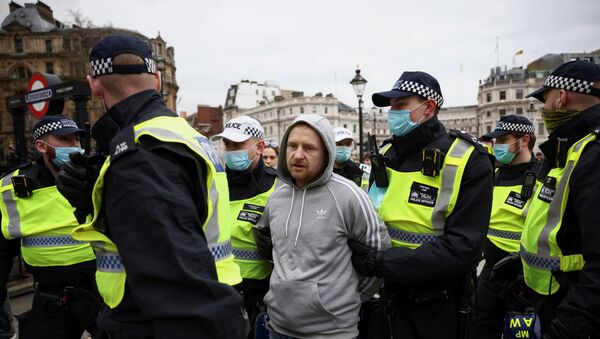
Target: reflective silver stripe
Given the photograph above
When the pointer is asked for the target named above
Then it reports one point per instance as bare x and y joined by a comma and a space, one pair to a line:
555, 209
14, 219
544, 262
220, 251
109, 262
504, 234
247, 254
50, 241
211, 230
409, 237
438, 216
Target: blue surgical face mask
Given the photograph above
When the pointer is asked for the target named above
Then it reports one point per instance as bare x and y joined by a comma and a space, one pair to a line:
238, 160
503, 154
342, 153
62, 154
399, 121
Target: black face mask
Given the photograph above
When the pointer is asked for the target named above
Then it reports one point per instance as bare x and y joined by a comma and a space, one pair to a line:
103, 131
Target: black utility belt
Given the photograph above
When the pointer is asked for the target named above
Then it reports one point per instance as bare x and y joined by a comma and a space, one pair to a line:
419, 294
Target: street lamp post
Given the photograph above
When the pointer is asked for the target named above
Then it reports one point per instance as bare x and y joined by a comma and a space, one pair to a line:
358, 82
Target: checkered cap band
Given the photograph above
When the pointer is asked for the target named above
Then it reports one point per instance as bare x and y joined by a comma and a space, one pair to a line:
420, 89
249, 130
514, 127
52, 126
569, 84
105, 66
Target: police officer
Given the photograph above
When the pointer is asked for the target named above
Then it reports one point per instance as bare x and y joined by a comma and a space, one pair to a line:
559, 244
343, 165
161, 217
436, 205
32, 209
250, 185
514, 182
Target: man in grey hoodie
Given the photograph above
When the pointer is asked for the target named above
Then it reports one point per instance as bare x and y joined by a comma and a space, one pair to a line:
314, 290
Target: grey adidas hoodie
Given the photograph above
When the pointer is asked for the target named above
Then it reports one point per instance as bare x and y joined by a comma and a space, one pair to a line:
314, 290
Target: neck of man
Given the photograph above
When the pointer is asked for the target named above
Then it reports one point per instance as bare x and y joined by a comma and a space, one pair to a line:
50, 165
523, 156
338, 164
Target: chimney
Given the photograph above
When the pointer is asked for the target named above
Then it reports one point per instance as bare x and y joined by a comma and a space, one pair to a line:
13, 6
45, 11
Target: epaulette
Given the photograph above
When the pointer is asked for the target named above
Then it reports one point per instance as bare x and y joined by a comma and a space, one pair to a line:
471, 139
122, 143
270, 170
16, 167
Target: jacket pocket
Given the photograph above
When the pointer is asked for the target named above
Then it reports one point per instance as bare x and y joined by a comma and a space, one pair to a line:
297, 306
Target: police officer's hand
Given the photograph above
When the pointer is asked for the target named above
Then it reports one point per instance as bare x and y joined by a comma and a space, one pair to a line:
74, 185
366, 260
262, 236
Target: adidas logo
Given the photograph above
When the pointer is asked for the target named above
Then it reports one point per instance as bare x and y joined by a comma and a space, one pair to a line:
321, 213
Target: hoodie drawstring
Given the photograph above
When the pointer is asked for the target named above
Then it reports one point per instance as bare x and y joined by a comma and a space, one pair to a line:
290, 213
301, 212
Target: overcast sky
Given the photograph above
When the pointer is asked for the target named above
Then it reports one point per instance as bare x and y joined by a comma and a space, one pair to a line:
314, 46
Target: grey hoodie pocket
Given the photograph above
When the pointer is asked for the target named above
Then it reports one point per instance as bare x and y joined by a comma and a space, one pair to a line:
296, 306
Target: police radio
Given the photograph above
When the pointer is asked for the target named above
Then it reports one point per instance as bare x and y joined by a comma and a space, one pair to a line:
378, 168
528, 185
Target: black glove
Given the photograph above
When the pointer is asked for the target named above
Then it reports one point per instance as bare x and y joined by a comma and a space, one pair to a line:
366, 260
262, 236
74, 184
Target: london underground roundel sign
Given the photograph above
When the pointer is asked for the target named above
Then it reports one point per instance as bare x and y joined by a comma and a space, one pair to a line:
38, 94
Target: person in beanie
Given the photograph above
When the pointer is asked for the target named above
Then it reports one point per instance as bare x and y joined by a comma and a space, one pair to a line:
559, 244
160, 223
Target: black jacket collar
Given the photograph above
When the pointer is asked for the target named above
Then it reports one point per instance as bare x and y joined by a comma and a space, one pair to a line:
137, 108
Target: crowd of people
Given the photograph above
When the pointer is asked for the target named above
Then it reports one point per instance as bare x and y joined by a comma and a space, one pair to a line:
155, 236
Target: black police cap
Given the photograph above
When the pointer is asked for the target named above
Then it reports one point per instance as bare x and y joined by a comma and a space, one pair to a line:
411, 83
511, 124
576, 76
107, 49
58, 125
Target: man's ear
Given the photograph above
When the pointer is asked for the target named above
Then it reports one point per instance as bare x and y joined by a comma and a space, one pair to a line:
94, 86
41, 147
260, 146
525, 140
430, 107
562, 98
158, 79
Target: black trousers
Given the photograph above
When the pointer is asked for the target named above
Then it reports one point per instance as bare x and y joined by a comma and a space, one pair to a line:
58, 315
489, 309
416, 318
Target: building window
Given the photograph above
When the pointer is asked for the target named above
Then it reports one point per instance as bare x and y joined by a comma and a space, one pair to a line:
502, 112
502, 95
18, 44
290, 111
353, 128
23, 73
345, 126
488, 97
301, 109
271, 130
256, 92
519, 110
488, 114
541, 129
519, 94
488, 129
49, 68
325, 110
76, 44
49, 46
314, 109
